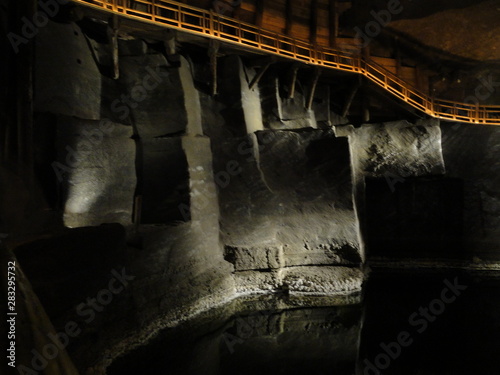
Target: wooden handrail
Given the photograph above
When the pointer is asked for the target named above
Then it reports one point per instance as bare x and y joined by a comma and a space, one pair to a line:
190, 19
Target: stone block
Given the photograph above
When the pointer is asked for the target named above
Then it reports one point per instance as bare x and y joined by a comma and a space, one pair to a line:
67, 79
255, 258
96, 165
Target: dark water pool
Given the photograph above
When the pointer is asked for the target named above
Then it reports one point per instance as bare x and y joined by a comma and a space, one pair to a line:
404, 323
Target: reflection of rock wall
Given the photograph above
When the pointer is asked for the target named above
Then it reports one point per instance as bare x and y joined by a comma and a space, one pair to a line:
312, 341
256, 335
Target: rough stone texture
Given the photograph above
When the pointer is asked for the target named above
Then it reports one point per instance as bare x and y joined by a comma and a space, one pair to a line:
281, 112
269, 257
175, 273
304, 280
181, 270
279, 202
321, 105
285, 197
236, 110
226, 113
149, 96
457, 34
392, 152
250, 100
397, 149
295, 191
322, 280
67, 78
97, 167
191, 99
192, 269
471, 155
164, 181
249, 282
203, 193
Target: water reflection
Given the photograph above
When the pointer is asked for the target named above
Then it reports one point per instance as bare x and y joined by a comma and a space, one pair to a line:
448, 335
407, 324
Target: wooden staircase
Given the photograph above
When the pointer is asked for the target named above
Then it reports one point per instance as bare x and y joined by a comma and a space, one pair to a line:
401, 82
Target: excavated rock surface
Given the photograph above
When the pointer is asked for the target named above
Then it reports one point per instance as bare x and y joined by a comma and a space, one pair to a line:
471, 33
292, 191
471, 155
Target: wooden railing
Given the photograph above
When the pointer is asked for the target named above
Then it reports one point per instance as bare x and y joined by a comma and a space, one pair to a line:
198, 21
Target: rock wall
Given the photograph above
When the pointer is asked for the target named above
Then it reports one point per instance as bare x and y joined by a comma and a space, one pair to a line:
289, 201
392, 166
96, 167
206, 198
209, 200
471, 156
285, 195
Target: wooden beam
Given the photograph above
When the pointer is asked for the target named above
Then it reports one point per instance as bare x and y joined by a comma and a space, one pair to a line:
312, 89
365, 101
213, 49
416, 77
397, 53
260, 73
260, 61
365, 51
366, 108
313, 24
293, 80
350, 96
259, 12
113, 39
333, 23
170, 42
289, 17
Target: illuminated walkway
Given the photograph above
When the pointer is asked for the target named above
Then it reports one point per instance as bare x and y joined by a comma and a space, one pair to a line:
201, 22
